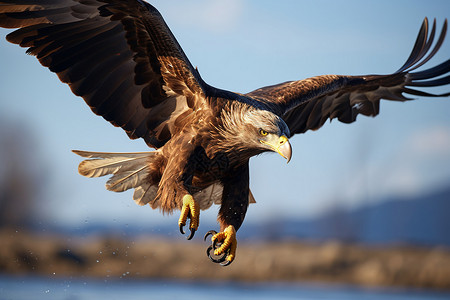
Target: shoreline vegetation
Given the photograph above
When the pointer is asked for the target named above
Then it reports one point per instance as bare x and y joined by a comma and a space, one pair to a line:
25, 253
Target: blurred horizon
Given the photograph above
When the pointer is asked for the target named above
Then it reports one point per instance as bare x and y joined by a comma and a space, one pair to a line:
242, 45
361, 211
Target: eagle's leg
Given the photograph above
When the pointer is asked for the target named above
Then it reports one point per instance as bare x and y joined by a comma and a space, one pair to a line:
190, 209
231, 215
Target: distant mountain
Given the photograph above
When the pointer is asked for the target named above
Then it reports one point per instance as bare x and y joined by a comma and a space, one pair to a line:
423, 220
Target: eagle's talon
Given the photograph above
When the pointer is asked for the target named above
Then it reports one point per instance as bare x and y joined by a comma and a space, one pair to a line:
211, 232
181, 228
191, 210
191, 235
223, 246
227, 263
219, 260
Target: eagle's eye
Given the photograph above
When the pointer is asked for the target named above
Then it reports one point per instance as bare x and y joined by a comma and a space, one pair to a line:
263, 132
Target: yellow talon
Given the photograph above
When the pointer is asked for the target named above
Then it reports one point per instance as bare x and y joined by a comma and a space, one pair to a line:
229, 244
190, 209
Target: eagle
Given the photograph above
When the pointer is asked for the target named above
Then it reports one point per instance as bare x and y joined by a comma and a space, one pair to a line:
122, 59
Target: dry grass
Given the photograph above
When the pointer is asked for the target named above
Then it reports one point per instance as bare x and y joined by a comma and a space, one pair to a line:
285, 261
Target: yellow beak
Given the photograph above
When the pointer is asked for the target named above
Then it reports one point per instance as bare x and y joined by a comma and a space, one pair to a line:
282, 147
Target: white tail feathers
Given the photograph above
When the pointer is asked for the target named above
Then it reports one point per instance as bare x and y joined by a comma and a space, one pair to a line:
130, 170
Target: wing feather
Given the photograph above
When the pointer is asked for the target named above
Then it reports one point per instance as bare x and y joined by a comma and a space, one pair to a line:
307, 104
119, 55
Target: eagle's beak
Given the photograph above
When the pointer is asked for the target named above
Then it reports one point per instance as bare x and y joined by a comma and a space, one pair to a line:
280, 145
284, 148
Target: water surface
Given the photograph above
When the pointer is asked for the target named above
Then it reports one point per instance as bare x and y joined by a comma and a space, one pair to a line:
18, 288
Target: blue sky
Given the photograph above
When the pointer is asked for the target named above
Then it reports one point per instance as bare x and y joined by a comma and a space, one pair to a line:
241, 46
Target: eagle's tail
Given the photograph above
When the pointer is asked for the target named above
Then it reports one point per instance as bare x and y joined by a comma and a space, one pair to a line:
129, 170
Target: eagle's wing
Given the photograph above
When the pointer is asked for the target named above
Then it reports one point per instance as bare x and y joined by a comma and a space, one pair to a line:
119, 55
307, 104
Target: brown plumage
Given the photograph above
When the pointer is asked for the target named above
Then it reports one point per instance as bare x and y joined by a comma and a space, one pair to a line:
122, 59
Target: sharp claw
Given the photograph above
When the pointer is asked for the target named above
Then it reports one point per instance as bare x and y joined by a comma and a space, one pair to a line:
226, 264
223, 246
219, 260
181, 228
191, 235
211, 232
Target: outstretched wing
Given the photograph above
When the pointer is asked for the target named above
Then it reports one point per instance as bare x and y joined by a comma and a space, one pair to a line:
119, 55
307, 104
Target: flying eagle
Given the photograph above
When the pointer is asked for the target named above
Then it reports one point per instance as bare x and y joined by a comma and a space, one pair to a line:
123, 60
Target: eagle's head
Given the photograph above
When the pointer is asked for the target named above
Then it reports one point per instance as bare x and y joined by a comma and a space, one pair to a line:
255, 131
269, 132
